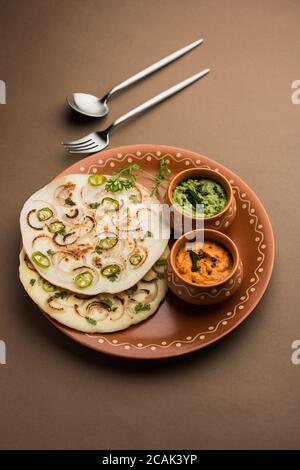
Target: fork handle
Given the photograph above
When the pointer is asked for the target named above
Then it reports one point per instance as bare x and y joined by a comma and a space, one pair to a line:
158, 99
153, 68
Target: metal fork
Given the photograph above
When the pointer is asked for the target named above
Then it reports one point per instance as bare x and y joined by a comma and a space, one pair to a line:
97, 141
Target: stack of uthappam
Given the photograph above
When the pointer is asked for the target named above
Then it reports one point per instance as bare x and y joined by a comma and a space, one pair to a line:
93, 259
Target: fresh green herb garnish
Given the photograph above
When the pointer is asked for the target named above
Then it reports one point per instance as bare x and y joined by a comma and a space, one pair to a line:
94, 205
161, 262
98, 250
91, 320
131, 290
160, 275
50, 252
62, 294
122, 179
141, 307
194, 260
193, 197
134, 198
69, 202
164, 174
32, 282
148, 234
48, 287
107, 302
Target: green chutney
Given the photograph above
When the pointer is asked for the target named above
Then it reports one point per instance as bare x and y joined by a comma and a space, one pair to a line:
200, 197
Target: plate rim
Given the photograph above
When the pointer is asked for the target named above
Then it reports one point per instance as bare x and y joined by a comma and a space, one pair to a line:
131, 354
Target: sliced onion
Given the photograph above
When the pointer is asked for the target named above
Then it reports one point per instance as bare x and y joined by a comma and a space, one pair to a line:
72, 214
28, 263
127, 223
97, 261
65, 240
63, 192
92, 308
70, 301
43, 238
150, 276
159, 266
90, 194
32, 219
145, 293
130, 193
54, 303
87, 226
117, 309
65, 262
30, 222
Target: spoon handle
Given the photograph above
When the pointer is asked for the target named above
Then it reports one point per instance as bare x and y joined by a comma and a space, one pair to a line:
158, 99
153, 68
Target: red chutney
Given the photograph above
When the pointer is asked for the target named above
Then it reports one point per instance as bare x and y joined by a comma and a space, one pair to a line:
204, 263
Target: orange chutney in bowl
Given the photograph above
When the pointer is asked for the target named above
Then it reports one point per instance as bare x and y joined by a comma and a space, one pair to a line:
204, 263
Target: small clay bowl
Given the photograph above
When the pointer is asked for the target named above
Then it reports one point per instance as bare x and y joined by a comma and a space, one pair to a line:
204, 294
219, 221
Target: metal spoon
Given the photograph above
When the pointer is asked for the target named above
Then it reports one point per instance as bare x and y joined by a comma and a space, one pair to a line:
93, 106
96, 141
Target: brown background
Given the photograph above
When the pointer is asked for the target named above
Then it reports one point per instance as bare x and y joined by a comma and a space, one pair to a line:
243, 392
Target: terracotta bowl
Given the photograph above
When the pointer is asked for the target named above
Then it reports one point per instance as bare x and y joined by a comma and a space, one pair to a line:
219, 221
204, 294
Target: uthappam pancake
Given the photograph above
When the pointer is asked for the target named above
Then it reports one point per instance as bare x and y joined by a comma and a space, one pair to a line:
103, 313
83, 238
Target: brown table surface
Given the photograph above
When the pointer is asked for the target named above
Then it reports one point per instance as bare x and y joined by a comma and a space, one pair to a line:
242, 392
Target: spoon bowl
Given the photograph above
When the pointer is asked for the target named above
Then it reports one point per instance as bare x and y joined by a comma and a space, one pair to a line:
87, 104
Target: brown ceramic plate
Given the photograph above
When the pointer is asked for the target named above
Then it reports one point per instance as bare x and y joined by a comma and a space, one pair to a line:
177, 327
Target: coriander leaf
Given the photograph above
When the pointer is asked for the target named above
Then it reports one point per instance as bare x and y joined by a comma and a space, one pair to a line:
69, 202
94, 205
32, 282
141, 307
160, 275
134, 198
122, 179
50, 252
161, 262
164, 174
148, 234
113, 277
107, 302
131, 290
91, 320
61, 294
